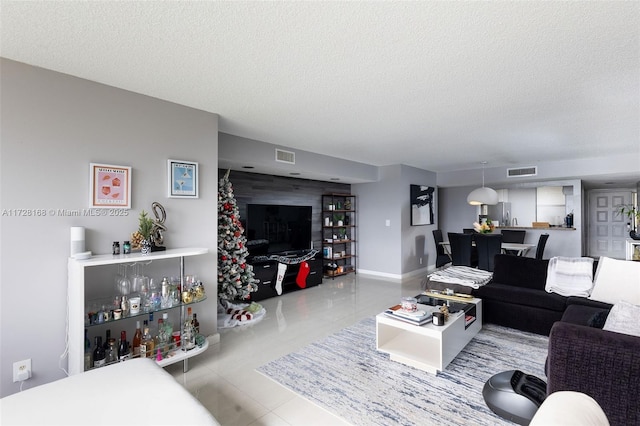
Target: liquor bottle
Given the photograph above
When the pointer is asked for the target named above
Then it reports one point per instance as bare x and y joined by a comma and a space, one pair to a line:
106, 340
137, 339
196, 324
166, 333
124, 305
111, 352
87, 351
98, 353
147, 345
123, 349
159, 337
151, 330
188, 335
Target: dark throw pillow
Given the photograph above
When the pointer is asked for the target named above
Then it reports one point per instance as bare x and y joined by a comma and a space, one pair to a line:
598, 319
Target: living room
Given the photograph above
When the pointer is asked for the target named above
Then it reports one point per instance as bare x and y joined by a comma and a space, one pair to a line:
58, 121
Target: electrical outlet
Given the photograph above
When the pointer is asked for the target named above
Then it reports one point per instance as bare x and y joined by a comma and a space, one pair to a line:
22, 370
421, 261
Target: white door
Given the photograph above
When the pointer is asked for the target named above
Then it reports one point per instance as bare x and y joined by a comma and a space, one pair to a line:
607, 229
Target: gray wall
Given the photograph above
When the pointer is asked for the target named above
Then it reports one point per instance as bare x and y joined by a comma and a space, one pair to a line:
379, 244
53, 126
236, 152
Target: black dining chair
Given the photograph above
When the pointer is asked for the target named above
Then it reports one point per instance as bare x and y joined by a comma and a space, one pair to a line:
513, 236
488, 246
442, 258
460, 248
542, 241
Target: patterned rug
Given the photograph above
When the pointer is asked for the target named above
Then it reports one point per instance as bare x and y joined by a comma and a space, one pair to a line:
344, 374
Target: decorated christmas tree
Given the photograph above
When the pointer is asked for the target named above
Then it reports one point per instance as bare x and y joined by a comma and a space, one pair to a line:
236, 279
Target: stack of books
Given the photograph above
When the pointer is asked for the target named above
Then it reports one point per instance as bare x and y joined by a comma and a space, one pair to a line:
419, 317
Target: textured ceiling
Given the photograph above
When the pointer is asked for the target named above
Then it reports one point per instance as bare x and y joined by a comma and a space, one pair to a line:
436, 85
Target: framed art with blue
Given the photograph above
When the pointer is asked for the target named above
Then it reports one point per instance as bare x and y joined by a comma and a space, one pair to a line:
183, 179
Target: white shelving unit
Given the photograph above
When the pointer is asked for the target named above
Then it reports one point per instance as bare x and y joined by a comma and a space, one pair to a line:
77, 304
633, 250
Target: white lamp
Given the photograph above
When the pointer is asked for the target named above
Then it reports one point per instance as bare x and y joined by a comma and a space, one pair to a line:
482, 195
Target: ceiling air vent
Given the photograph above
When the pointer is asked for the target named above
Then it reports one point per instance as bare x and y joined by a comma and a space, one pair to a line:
285, 156
522, 172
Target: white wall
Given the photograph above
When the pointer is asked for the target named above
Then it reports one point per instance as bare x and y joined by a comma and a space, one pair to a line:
53, 126
523, 205
393, 251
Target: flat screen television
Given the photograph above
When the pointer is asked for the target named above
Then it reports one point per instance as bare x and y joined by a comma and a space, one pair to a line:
273, 228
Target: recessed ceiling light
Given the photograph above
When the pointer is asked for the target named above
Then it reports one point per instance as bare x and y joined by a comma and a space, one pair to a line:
248, 167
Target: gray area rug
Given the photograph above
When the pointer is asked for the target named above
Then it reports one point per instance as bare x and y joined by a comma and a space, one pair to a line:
344, 374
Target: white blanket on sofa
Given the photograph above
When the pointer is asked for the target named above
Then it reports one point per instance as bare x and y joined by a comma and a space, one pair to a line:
462, 275
570, 276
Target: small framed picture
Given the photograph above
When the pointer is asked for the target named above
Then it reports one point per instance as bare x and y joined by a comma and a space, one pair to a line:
183, 179
110, 186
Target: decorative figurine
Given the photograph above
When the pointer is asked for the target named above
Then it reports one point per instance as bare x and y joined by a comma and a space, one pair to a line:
157, 239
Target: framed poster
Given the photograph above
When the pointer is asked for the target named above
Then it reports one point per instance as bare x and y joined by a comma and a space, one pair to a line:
422, 200
183, 179
110, 186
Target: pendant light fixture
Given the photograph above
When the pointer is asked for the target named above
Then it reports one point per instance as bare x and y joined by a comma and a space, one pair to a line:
482, 195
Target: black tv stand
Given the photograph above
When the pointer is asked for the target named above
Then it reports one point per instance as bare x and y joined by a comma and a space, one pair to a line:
265, 271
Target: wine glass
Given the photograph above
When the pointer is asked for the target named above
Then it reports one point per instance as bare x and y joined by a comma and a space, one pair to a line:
124, 284
117, 277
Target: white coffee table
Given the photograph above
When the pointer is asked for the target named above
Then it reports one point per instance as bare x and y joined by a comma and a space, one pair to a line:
428, 347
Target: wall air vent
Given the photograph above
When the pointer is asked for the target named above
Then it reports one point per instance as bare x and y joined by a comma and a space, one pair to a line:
522, 172
285, 156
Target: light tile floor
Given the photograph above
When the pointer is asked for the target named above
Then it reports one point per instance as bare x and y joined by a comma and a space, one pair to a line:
224, 378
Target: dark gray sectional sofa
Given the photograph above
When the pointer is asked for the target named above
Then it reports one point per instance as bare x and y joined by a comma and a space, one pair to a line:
516, 296
582, 357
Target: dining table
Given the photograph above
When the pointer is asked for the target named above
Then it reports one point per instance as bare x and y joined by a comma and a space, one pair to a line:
520, 249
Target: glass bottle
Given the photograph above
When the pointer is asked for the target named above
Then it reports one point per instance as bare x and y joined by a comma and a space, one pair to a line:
111, 351
106, 339
147, 344
167, 333
151, 330
137, 339
124, 305
159, 338
165, 293
98, 353
188, 335
87, 351
196, 324
123, 349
